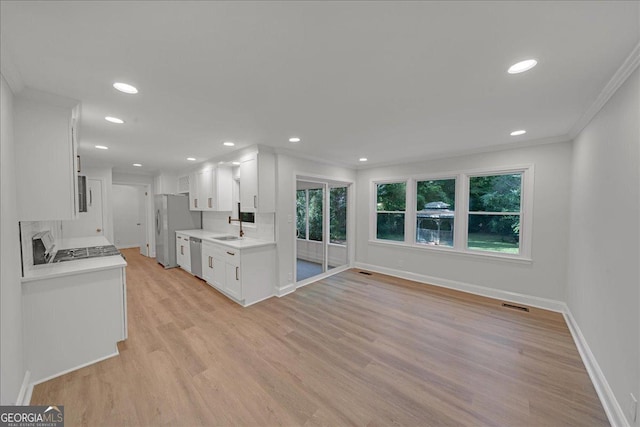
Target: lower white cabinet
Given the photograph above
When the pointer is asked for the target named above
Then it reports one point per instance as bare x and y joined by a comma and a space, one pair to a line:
183, 252
245, 275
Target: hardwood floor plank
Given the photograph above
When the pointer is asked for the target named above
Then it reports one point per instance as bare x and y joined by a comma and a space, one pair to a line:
348, 350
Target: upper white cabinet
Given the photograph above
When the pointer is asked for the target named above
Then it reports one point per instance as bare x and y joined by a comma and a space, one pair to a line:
210, 189
258, 183
47, 164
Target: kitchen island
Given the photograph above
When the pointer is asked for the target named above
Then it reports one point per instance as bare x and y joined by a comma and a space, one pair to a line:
244, 270
75, 312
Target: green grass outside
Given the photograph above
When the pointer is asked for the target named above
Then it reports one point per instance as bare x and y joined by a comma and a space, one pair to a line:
492, 243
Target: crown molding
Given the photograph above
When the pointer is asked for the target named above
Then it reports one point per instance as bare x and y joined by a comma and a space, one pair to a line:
621, 75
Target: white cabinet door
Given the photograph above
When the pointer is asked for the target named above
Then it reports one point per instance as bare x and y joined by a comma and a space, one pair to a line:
183, 253
89, 223
194, 203
233, 283
249, 184
45, 154
205, 193
207, 263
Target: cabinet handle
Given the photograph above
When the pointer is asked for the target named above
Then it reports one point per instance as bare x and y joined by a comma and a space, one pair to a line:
179, 238
195, 202
90, 198
79, 164
231, 253
255, 202
181, 250
209, 202
210, 262
237, 268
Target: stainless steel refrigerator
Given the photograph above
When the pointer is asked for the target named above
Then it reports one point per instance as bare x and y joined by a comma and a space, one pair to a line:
172, 213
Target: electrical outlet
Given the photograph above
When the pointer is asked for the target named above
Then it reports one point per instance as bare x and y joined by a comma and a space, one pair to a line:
633, 408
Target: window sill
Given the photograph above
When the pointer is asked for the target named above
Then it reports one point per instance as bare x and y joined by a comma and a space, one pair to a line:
450, 251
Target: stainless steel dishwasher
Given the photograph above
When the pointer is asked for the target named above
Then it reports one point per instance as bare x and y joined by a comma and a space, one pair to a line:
195, 245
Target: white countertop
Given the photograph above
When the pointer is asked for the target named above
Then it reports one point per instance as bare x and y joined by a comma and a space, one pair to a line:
46, 271
209, 236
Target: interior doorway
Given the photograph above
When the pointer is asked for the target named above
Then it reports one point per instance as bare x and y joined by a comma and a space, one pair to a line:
320, 227
130, 216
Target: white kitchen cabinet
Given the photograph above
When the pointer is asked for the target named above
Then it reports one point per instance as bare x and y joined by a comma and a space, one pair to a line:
245, 275
73, 320
183, 252
47, 165
210, 189
258, 183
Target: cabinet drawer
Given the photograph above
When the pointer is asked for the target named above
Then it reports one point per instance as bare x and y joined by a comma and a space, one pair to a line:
232, 256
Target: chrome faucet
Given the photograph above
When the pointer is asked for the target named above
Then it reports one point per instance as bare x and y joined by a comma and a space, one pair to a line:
239, 219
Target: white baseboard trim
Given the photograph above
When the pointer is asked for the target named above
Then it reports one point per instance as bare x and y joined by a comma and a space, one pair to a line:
544, 303
75, 368
285, 290
255, 302
24, 389
612, 408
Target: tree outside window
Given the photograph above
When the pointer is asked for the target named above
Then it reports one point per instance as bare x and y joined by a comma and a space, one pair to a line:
338, 215
494, 213
390, 210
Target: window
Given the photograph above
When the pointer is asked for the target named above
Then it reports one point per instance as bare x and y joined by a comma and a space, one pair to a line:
390, 210
309, 205
435, 212
485, 212
494, 213
338, 215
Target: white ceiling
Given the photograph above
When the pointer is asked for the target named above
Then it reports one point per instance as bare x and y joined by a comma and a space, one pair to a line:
390, 81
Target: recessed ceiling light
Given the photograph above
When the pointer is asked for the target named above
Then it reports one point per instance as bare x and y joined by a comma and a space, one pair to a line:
191, 159
228, 144
101, 147
235, 163
126, 88
363, 159
114, 120
294, 139
137, 165
518, 132
522, 66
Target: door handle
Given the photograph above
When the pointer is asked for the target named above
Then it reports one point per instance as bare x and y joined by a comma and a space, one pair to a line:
237, 271
90, 198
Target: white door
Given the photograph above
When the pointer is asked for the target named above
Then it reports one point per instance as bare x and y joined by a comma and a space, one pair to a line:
89, 223
129, 216
141, 224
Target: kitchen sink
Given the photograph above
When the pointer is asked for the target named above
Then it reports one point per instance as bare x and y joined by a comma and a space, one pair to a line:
225, 238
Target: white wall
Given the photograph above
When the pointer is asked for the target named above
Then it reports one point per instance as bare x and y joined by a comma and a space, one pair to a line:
545, 277
127, 204
287, 168
603, 276
12, 368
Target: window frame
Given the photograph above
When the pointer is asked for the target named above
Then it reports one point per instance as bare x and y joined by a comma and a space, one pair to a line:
461, 215
375, 212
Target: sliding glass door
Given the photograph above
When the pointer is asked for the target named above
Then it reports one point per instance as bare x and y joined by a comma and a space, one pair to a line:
321, 227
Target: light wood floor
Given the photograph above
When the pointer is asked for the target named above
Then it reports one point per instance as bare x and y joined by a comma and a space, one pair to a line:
349, 350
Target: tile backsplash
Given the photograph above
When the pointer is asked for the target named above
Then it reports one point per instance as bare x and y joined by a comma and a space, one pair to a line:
28, 229
263, 229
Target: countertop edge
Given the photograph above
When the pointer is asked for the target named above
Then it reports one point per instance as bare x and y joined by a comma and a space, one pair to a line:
89, 269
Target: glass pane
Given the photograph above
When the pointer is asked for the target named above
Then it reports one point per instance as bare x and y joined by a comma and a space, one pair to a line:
495, 193
301, 213
338, 215
390, 226
495, 233
435, 204
391, 197
436, 194
315, 214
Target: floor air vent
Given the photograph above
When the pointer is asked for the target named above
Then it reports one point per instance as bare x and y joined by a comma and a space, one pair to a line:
515, 307
366, 273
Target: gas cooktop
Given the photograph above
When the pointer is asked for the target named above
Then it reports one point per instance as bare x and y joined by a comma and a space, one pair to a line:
83, 253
